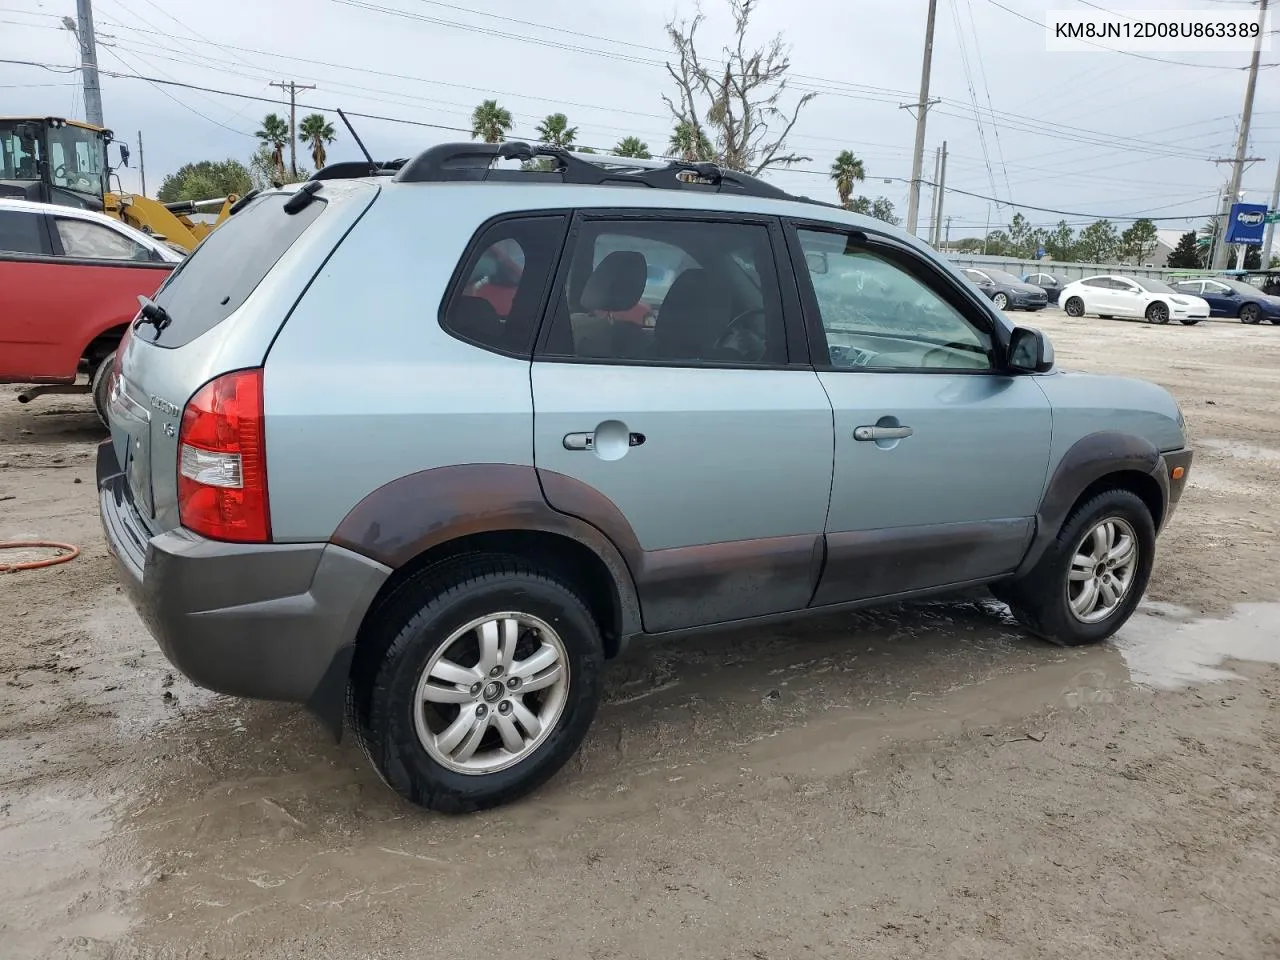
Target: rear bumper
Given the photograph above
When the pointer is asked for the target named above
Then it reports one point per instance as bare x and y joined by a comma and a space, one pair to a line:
271, 621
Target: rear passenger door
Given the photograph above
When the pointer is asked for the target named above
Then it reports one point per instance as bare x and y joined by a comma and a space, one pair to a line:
28, 303
941, 455
674, 409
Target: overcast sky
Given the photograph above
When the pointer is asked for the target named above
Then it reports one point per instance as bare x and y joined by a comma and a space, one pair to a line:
1128, 136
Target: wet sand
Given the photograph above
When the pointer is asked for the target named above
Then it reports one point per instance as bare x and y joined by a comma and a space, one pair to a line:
920, 781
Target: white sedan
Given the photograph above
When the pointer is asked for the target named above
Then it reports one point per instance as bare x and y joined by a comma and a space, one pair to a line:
1110, 295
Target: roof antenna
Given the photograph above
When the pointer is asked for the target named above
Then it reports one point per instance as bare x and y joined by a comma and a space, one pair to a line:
359, 143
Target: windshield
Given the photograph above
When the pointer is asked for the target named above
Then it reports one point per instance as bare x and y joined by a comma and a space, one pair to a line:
76, 159
1153, 286
1238, 286
999, 276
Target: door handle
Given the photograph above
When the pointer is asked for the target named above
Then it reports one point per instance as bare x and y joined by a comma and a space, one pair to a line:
882, 433
579, 441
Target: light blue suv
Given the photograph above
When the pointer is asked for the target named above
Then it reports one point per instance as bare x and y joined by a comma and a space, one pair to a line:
422, 444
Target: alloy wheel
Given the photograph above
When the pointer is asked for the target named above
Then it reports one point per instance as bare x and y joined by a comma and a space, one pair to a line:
1103, 567
1074, 307
492, 693
1000, 300
1158, 313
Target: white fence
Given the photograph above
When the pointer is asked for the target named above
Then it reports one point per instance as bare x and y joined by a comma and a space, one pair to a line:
1071, 271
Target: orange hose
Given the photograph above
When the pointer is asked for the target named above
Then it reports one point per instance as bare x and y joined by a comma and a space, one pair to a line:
72, 552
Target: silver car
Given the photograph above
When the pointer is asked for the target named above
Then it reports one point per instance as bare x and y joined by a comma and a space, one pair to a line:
422, 448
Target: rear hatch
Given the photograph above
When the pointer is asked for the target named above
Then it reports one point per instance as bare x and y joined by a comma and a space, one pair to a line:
218, 312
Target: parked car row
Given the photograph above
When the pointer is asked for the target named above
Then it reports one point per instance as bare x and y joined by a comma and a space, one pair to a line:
1111, 295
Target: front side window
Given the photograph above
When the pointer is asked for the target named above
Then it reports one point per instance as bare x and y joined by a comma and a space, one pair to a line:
504, 280
977, 276
1218, 288
83, 240
1189, 286
21, 232
670, 291
876, 314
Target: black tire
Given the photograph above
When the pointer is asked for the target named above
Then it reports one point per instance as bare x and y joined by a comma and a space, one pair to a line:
1158, 312
1039, 600
100, 384
1074, 307
408, 630
1250, 314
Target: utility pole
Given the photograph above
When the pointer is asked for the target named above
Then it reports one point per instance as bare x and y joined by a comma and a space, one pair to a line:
942, 196
922, 108
1271, 227
293, 89
88, 60
948, 239
1242, 144
933, 201
142, 165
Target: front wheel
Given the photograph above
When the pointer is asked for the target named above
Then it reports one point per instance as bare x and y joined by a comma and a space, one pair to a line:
1092, 577
1157, 313
1250, 314
1001, 301
1074, 307
488, 683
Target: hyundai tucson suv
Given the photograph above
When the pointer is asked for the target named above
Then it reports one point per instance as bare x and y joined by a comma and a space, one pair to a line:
343, 474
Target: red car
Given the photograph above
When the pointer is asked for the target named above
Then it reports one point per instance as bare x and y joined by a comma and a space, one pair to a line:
69, 286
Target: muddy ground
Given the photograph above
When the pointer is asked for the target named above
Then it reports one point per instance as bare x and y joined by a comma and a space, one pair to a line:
912, 782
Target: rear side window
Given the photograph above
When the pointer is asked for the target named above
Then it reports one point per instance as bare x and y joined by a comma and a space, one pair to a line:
22, 233
212, 283
82, 239
497, 300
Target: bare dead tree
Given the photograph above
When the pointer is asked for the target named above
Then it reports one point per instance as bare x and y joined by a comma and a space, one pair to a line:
734, 102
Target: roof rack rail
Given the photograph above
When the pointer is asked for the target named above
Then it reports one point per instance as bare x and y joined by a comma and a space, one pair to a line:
350, 169
453, 162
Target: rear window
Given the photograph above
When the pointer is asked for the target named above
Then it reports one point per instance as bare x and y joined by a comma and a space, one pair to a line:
221, 273
22, 232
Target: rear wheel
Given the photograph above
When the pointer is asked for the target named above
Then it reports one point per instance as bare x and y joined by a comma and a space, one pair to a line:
100, 384
1158, 312
1074, 307
1249, 313
1092, 577
488, 679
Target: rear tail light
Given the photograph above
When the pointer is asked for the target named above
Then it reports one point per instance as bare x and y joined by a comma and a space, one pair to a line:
222, 463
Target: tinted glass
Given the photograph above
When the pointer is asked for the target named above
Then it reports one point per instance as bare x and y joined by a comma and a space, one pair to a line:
877, 315
504, 282
1154, 286
1193, 287
671, 291
82, 239
1238, 286
976, 276
227, 266
1096, 282
21, 233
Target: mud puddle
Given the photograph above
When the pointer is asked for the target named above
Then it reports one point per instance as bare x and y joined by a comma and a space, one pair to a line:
1166, 649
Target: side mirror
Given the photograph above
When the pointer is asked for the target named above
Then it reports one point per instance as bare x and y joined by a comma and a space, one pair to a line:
816, 261
124, 154
1029, 351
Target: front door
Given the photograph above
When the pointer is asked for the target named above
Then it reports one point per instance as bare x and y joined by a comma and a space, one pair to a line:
668, 413
1222, 300
940, 456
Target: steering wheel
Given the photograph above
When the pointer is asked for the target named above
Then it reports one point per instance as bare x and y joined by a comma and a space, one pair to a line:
60, 171
741, 339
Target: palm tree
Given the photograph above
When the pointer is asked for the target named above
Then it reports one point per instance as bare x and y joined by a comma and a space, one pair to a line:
490, 122
555, 130
689, 142
632, 147
847, 171
274, 134
316, 131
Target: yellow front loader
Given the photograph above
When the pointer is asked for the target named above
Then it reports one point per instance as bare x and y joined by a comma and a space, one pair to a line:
52, 160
